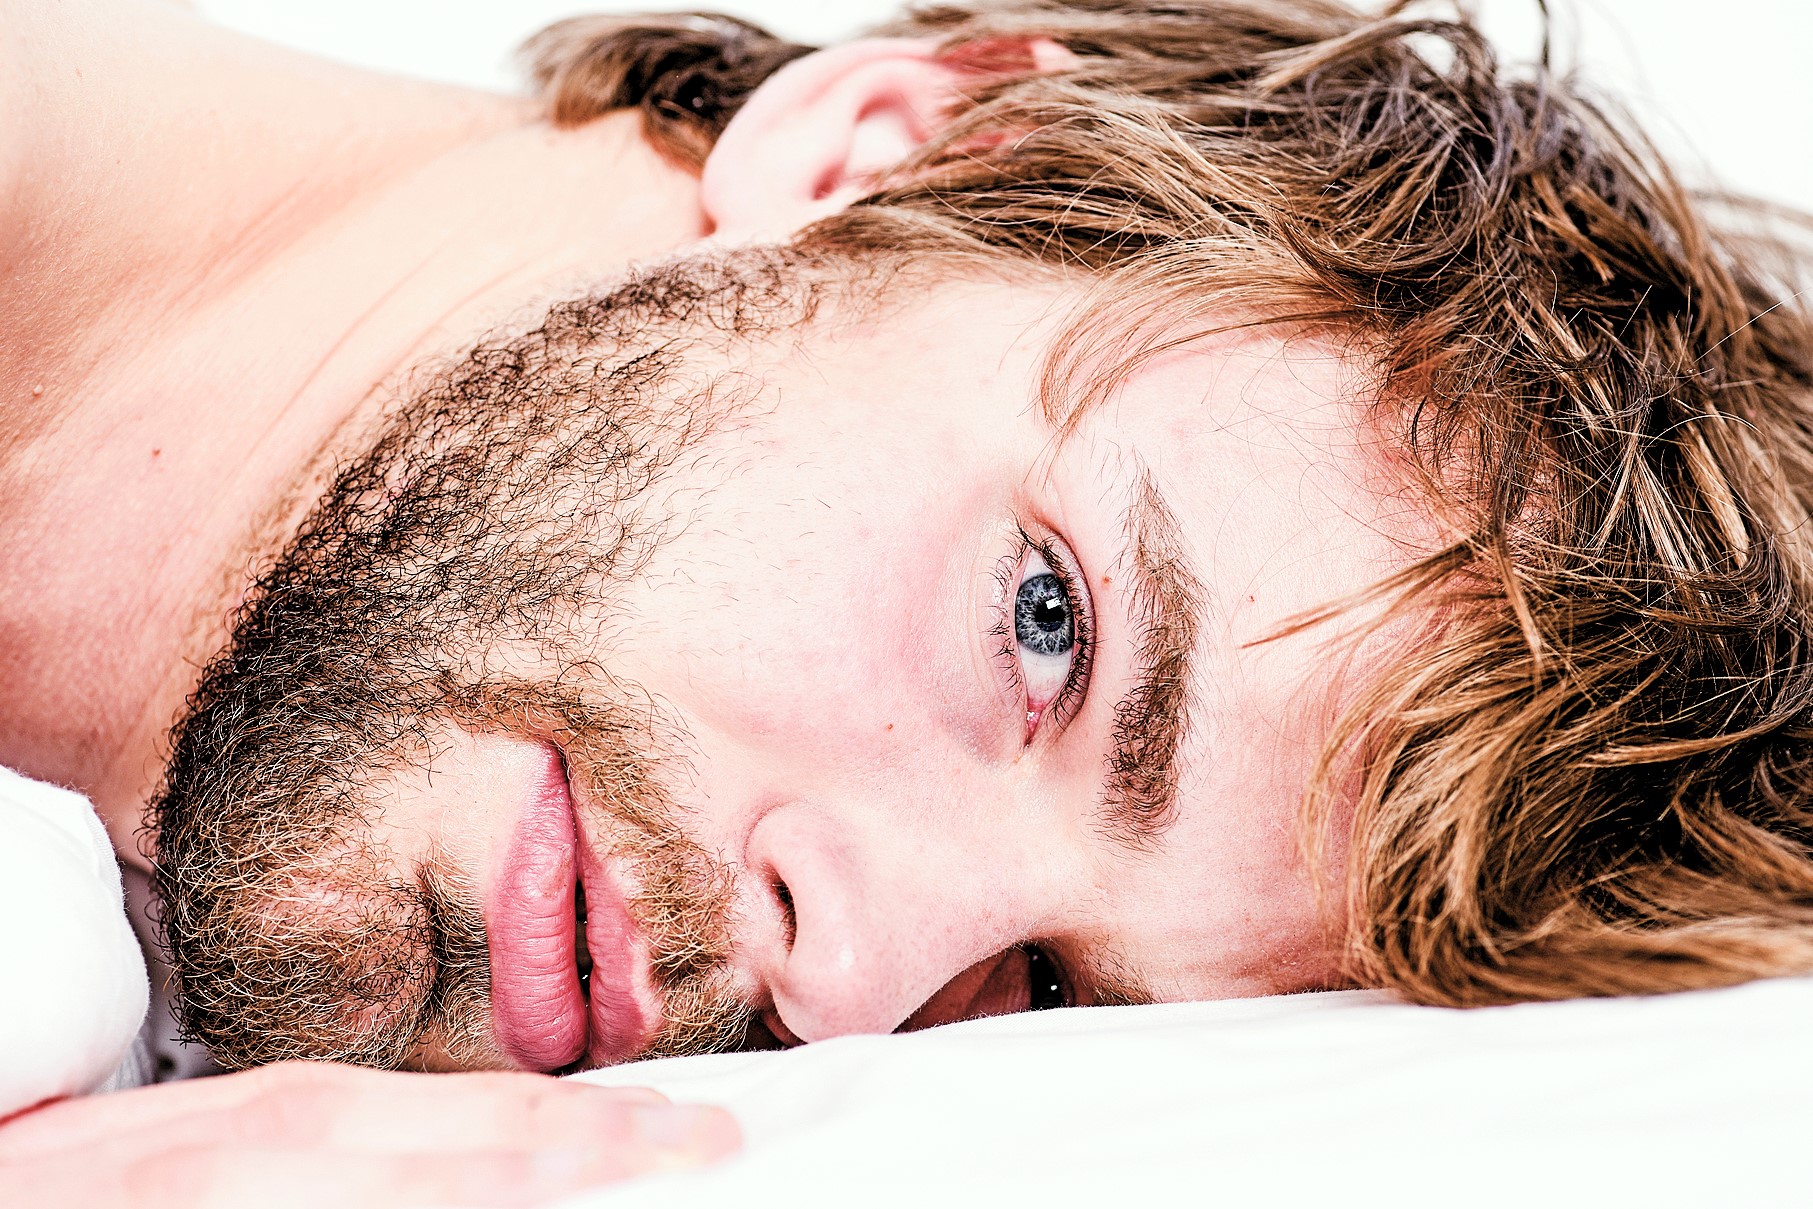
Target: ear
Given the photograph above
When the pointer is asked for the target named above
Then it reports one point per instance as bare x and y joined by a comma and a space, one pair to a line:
816, 135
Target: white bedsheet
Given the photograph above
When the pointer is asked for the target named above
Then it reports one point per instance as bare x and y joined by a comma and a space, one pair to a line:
1701, 1100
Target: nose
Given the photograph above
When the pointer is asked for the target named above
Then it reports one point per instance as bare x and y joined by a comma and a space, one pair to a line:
892, 926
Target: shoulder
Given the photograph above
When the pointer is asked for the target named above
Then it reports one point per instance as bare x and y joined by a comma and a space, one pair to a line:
22, 26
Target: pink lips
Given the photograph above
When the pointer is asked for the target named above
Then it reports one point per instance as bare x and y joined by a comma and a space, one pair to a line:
539, 1013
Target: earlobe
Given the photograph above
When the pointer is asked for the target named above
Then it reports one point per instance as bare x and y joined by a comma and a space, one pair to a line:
817, 135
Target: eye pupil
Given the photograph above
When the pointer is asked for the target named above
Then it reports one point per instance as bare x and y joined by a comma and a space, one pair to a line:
1042, 616
1045, 990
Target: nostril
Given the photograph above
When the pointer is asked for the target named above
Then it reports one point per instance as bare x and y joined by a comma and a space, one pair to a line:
784, 1037
789, 921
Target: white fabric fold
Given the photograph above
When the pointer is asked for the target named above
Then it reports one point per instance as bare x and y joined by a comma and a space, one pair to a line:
75, 989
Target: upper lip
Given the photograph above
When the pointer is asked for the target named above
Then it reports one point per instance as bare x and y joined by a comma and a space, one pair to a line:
622, 1008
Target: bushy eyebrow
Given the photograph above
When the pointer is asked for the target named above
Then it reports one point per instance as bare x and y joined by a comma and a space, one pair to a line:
1164, 604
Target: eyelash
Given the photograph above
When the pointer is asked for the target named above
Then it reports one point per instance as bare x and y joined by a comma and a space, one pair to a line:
1076, 682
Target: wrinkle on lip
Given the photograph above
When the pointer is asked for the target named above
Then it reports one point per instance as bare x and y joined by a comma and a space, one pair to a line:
538, 1010
582, 954
620, 1024
658, 920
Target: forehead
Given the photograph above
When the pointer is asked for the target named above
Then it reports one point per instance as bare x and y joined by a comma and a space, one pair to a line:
1263, 445
1277, 427
1262, 440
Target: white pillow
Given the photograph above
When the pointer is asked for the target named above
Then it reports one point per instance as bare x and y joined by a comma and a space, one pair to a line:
75, 988
1345, 1099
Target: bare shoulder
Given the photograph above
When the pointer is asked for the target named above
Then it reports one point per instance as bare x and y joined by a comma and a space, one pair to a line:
37, 49
20, 22
41, 54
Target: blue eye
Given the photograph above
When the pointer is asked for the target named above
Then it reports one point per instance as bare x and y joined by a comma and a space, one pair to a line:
1049, 635
1043, 623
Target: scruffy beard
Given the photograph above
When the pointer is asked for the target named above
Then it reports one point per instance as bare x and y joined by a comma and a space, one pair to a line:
493, 518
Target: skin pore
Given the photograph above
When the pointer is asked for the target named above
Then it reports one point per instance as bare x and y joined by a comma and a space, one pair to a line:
899, 796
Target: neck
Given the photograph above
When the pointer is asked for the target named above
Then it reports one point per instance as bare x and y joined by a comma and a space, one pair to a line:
216, 252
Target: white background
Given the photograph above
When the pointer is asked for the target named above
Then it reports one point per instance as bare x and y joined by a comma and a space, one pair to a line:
1725, 85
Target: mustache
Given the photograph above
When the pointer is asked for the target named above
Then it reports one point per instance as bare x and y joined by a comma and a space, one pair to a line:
620, 759
316, 949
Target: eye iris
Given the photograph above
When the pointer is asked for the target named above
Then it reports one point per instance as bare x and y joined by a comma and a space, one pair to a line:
1042, 620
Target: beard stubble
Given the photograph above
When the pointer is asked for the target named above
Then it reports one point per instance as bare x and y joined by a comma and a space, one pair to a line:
493, 516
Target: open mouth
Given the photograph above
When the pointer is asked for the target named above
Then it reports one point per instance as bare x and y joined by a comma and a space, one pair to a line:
568, 970
582, 952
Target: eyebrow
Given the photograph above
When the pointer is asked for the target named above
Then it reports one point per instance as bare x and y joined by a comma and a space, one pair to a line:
1164, 605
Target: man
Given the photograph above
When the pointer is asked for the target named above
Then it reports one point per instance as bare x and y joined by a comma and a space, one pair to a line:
866, 539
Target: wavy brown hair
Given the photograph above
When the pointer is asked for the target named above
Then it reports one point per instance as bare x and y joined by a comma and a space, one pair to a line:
1594, 773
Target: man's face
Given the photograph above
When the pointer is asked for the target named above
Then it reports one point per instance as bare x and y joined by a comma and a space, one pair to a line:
846, 690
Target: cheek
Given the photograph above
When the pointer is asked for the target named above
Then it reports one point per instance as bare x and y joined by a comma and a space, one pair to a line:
797, 618
456, 801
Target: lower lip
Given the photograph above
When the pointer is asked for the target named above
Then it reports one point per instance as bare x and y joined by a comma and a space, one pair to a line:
619, 1024
541, 1018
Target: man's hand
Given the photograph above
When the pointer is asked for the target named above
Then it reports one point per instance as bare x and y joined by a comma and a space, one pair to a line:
309, 1134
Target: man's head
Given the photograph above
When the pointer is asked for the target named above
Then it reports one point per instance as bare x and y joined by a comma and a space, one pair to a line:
1228, 408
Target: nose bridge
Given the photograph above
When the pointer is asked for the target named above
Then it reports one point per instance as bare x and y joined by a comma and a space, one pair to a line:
892, 896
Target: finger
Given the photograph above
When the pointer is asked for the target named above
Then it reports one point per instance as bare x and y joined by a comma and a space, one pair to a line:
316, 1103
285, 1179
382, 1112
197, 1157
86, 1121
83, 1121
